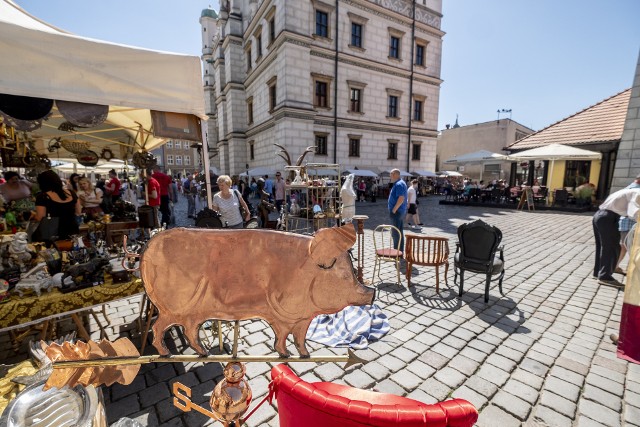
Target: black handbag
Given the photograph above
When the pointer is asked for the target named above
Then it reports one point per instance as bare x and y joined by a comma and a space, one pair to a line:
47, 230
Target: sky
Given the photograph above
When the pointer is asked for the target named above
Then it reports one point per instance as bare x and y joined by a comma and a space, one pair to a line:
544, 60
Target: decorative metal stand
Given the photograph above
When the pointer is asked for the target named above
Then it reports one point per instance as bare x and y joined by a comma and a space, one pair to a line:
360, 234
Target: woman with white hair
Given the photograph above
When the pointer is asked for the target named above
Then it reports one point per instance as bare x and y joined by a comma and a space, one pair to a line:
227, 203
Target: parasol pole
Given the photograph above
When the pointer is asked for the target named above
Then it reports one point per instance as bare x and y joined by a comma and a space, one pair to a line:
549, 188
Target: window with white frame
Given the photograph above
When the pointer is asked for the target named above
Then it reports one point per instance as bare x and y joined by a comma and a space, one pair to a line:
169, 159
178, 145
179, 160
187, 160
170, 144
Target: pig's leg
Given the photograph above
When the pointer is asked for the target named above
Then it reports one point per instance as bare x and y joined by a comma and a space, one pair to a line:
191, 332
281, 339
299, 337
159, 327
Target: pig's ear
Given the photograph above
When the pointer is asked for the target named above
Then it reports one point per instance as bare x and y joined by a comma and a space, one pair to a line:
329, 243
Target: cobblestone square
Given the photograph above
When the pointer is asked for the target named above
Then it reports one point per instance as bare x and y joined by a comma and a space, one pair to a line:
538, 356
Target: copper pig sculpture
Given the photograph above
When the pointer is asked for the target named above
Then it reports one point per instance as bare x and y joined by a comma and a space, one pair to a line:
193, 275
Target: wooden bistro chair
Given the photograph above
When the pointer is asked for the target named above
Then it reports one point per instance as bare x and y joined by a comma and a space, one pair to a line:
385, 251
478, 243
429, 252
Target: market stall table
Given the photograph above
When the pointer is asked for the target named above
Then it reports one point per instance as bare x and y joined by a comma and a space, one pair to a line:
28, 311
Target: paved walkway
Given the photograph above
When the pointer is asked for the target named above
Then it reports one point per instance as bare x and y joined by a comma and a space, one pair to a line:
538, 356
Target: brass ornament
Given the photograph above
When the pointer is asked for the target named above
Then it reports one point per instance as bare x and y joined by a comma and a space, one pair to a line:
107, 154
232, 396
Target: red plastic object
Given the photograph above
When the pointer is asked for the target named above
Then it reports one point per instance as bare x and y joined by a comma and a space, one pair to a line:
327, 404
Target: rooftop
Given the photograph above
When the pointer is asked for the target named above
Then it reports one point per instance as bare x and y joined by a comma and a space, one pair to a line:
602, 122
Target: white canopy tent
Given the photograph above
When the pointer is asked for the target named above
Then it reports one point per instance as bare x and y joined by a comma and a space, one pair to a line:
479, 157
426, 174
260, 171
361, 172
555, 152
403, 174
42, 61
448, 173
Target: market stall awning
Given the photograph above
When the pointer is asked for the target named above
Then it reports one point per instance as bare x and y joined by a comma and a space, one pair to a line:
556, 152
260, 171
42, 61
361, 172
427, 174
449, 173
403, 174
477, 157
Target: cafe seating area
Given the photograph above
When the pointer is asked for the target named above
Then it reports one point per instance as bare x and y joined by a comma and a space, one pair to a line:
541, 197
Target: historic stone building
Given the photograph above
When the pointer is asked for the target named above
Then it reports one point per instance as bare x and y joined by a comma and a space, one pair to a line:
492, 136
178, 157
359, 79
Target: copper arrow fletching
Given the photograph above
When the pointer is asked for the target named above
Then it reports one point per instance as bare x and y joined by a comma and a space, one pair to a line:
91, 372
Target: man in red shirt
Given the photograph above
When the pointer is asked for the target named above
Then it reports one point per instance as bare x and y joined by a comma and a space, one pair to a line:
111, 190
166, 191
153, 191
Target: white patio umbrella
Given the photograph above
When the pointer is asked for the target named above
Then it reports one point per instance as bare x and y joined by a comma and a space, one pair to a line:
449, 173
477, 157
555, 152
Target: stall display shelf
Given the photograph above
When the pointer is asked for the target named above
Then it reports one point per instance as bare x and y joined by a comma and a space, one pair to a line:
313, 197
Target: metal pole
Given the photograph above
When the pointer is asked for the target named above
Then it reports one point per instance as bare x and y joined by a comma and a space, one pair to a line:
205, 162
360, 233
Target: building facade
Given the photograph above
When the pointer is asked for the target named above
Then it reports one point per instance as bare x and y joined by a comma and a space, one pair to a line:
178, 158
627, 165
359, 79
492, 136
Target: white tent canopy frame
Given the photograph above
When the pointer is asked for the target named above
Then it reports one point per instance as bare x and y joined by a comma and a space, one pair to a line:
479, 157
43, 61
555, 152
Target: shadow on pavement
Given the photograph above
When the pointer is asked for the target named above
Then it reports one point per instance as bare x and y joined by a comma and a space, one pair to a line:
426, 295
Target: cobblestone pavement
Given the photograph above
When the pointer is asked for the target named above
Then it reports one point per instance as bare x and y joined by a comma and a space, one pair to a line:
538, 356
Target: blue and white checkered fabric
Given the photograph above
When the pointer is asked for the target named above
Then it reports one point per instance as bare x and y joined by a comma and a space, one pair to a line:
625, 224
352, 327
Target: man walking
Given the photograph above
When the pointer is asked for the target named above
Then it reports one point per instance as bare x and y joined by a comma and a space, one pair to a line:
397, 205
190, 190
165, 193
278, 189
268, 186
624, 202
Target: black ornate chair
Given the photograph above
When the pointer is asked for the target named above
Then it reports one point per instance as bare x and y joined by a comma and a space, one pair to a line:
476, 250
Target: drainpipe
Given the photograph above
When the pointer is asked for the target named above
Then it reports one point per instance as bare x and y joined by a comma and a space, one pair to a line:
413, 43
335, 90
